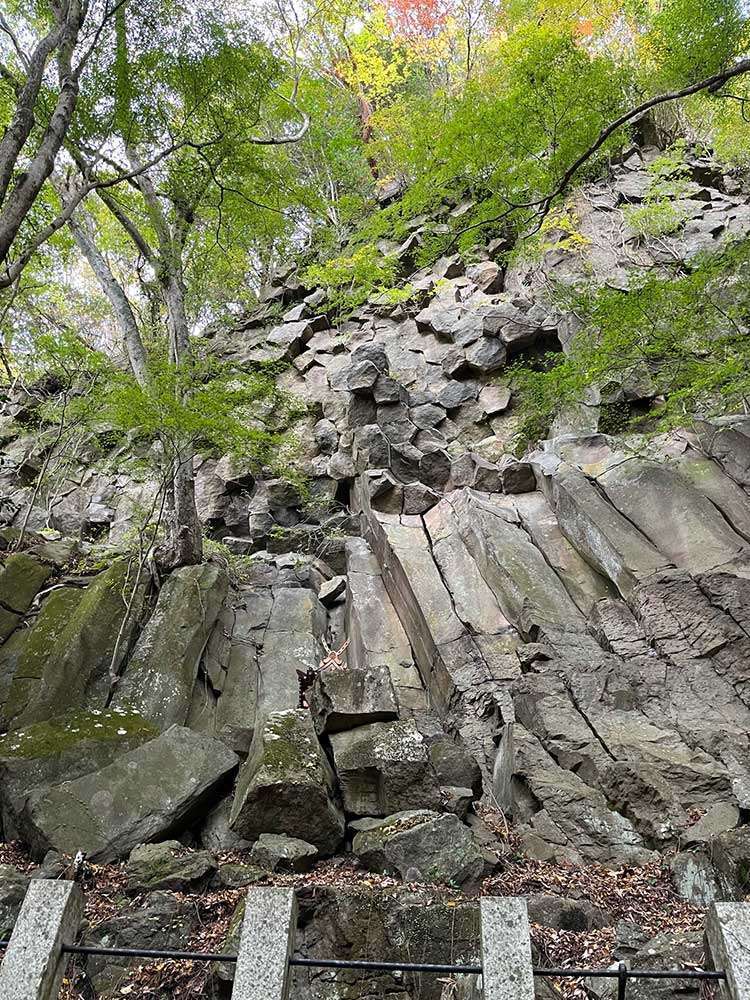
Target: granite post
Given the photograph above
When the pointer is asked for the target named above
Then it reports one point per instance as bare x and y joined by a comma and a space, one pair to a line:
266, 944
33, 966
728, 943
506, 949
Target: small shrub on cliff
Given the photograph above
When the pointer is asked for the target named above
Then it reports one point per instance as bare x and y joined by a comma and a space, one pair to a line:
688, 336
350, 280
661, 212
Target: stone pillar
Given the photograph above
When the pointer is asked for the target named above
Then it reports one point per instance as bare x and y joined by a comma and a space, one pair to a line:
506, 949
266, 944
728, 940
33, 966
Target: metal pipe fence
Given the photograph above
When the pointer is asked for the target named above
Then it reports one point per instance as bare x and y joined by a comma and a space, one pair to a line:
621, 973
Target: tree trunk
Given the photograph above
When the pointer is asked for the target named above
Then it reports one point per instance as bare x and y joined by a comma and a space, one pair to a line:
16, 204
81, 229
19, 129
185, 533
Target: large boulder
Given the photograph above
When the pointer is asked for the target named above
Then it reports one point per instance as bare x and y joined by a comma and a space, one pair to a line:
61, 749
418, 845
154, 790
161, 673
287, 786
385, 767
345, 699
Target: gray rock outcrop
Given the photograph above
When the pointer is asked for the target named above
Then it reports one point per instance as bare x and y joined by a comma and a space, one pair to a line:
286, 785
142, 795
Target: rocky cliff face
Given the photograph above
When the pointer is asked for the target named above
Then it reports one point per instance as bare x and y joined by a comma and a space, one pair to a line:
470, 661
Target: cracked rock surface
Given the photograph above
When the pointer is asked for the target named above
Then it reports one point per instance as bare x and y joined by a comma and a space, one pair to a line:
562, 639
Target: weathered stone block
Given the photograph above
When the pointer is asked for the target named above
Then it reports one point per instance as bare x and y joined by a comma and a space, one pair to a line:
169, 866
345, 699
277, 852
422, 846
287, 785
61, 749
383, 768
156, 788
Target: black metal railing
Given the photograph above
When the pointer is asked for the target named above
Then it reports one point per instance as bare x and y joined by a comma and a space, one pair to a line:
621, 973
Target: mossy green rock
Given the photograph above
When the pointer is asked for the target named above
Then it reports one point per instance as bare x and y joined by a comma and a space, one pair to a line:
234, 875
153, 791
286, 785
59, 749
86, 640
25, 655
167, 865
21, 579
160, 676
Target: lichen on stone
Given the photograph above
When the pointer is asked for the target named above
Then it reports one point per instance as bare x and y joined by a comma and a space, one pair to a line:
56, 735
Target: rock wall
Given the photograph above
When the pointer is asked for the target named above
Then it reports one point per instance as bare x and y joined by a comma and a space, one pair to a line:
468, 655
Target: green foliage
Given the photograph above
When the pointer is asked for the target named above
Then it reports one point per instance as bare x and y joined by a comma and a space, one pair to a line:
559, 231
394, 296
655, 218
686, 337
238, 568
661, 212
202, 402
350, 280
688, 40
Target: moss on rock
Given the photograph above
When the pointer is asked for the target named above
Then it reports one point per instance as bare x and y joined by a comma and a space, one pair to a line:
21, 579
24, 656
59, 749
55, 736
85, 642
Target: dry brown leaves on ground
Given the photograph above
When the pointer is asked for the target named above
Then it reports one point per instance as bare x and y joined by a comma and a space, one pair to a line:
642, 895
